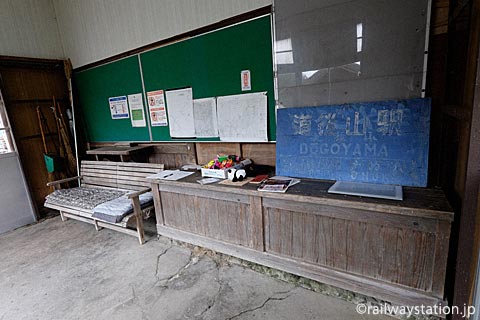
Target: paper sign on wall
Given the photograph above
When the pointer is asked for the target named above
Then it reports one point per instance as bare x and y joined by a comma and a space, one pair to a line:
180, 113
246, 80
118, 107
156, 106
243, 117
205, 116
135, 102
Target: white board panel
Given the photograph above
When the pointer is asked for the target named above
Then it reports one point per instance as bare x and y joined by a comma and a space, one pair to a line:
205, 116
180, 113
243, 117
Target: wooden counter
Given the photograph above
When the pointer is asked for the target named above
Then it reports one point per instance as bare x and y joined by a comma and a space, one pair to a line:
391, 250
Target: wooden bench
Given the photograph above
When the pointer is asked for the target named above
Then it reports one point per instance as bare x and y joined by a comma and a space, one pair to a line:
123, 176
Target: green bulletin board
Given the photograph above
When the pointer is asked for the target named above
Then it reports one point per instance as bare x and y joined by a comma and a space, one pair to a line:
95, 86
211, 64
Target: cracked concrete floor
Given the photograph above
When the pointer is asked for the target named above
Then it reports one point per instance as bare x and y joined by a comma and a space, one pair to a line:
55, 270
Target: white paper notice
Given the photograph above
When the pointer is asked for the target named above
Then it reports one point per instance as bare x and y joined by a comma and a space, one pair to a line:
171, 175
180, 113
118, 107
205, 115
135, 102
243, 117
156, 107
246, 80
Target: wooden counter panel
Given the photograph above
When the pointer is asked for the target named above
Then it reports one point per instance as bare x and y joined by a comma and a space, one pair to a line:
361, 215
418, 202
219, 219
392, 250
392, 254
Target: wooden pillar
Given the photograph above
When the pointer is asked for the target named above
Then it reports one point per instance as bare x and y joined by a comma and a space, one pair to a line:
470, 216
440, 260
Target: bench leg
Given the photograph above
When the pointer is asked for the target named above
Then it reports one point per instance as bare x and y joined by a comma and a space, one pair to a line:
97, 227
141, 233
63, 217
139, 220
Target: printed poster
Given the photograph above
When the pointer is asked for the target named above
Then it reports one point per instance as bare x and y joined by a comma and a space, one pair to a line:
156, 107
246, 80
118, 107
135, 102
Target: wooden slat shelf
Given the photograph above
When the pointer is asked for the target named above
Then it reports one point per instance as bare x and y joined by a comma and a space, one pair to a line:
121, 151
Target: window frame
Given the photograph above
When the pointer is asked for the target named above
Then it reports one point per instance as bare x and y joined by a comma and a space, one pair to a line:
5, 127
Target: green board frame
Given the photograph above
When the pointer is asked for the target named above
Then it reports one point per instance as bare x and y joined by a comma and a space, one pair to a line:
210, 63
95, 86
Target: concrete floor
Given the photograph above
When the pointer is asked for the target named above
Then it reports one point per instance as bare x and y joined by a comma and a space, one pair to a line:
55, 270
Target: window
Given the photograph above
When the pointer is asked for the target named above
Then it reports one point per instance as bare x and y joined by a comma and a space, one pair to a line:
284, 53
6, 141
359, 36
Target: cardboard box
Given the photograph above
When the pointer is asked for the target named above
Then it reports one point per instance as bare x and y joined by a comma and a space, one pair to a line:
215, 173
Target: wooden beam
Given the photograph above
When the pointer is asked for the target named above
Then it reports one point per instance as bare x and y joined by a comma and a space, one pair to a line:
52, 183
102, 224
31, 63
457, 112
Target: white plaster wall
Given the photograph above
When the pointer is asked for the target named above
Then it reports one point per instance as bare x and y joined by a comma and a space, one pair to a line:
92, 30
28, 28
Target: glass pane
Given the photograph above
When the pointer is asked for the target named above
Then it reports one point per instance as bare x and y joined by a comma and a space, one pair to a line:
3, 116
342, 51
4, 142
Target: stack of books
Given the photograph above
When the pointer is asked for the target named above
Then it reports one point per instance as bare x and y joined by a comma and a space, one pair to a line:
277, 184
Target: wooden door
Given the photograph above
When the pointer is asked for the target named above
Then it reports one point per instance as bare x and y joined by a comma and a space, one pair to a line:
26, 84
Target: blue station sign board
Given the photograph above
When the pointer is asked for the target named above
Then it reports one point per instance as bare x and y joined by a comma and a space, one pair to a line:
382, 142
